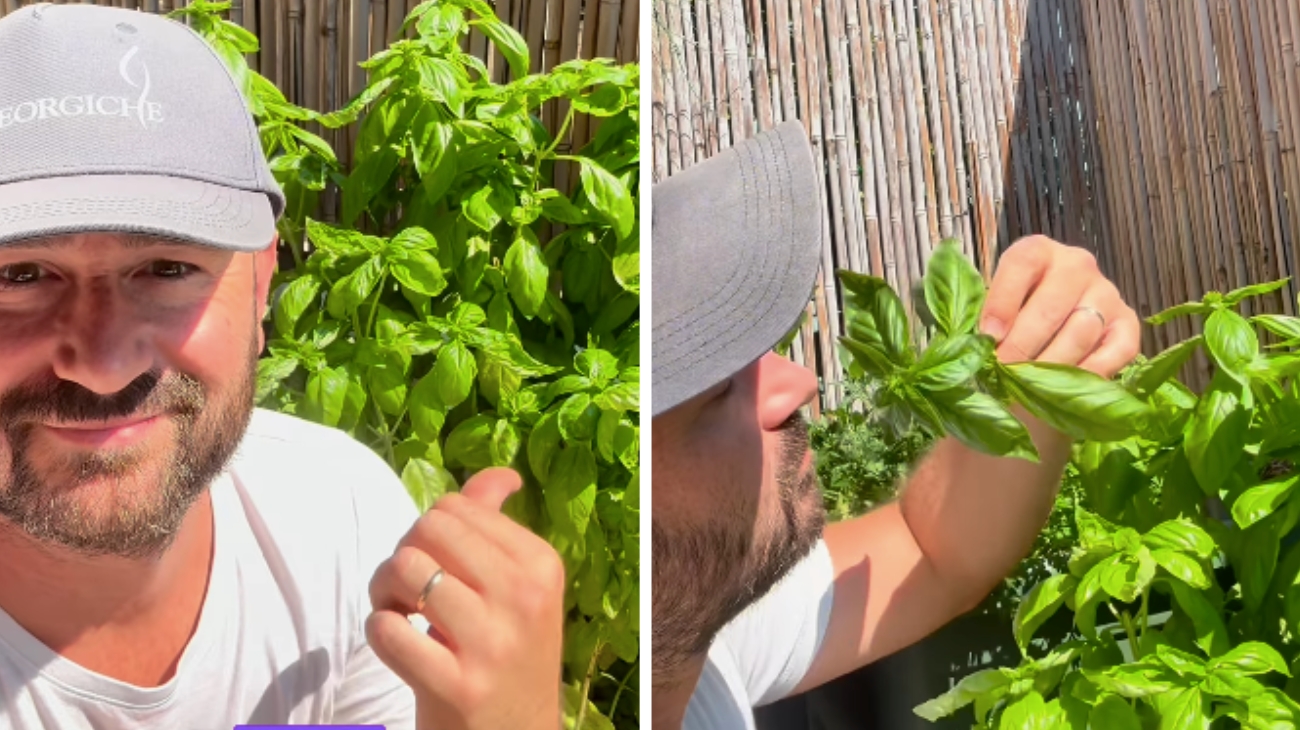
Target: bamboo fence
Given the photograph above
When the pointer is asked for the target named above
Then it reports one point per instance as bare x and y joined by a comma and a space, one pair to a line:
1159, 134
310, 48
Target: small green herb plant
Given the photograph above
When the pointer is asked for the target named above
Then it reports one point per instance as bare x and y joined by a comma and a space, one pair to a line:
1184, 582
467, 313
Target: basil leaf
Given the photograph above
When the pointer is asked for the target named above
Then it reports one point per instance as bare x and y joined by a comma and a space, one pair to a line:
949, 362
505, 443
543, 444
430, 142
1039, 605
1215, 436
420, 272
426, 482
1182, 567
1181, 662
982, 423
1178, 311
368, 178
1149, 376
870, 358
1262, 500
608, 196
1231, 683
454, 371
509, 42
1252, 657
271, 372
1113, 713
442, 80
571, 493
954, 290
1256, 561
1090, 593
526, 273
578, 418
1126, 578
349, 292
470, 442
1186, 710
479, 210
989, 683
293, 301
1076, 402
1232, 343
1211, 632
876, 316
428, 413
1029, 712
1180, 534
1254, 290
1288, 328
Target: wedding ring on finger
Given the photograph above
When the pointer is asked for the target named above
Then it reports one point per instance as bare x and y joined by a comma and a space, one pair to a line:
434, 580
1094, 312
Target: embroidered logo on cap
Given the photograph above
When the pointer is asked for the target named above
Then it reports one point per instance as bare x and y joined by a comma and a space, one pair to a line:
148, 113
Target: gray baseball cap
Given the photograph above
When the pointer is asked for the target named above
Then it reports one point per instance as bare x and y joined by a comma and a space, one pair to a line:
736, 243
120, 121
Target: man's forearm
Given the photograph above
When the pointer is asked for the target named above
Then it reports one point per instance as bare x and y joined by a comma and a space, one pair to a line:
975, 516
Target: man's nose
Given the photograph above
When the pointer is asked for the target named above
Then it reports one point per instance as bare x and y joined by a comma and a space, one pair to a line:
102, 346
783, 388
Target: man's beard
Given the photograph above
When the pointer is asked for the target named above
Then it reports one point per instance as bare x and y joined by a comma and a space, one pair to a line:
703, 578
139, 512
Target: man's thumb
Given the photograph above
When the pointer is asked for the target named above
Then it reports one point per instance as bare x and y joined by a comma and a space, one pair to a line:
490, 487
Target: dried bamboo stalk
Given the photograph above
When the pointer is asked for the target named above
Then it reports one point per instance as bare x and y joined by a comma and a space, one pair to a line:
865, 111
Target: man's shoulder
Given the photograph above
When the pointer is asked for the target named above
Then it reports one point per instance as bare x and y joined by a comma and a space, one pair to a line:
286, 463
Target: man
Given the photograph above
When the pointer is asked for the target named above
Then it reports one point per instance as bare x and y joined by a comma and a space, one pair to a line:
170, 557
752, 599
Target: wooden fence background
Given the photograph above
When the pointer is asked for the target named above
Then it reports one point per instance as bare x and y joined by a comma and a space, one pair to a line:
1159, 134
310, 48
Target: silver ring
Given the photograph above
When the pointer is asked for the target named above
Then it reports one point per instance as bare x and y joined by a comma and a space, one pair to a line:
434, 580
1093, 311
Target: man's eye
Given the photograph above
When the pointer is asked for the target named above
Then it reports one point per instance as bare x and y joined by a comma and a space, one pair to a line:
15, 275
170, 269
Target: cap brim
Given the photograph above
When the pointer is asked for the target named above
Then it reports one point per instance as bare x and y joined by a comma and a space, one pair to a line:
167, 207
737, 245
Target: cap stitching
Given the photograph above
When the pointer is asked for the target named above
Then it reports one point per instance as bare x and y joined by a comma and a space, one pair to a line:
721, 340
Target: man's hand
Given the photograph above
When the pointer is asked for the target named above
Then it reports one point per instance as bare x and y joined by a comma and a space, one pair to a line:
1050, 302
492, 656
966, 518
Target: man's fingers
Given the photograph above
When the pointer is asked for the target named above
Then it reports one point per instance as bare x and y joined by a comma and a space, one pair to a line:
1022, 267
1118, 348
420, 661
517, 541
449, 605
491, 487
1084, 328
459, 548
1049, 308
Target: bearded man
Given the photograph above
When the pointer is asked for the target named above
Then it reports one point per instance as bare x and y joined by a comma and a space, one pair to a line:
171, 556
753, 597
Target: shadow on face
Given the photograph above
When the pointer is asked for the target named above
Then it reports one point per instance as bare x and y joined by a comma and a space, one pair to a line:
127, 373
736, 503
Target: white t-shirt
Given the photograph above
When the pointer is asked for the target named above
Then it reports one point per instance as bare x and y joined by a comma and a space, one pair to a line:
765, 652
303, 516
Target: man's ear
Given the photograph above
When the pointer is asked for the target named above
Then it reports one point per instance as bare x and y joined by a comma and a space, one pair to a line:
264, 263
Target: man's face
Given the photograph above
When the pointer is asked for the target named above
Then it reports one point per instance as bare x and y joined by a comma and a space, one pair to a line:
127, 369
736, 503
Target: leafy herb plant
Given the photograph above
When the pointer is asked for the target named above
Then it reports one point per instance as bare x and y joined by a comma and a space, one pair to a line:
465, 312
1184, 582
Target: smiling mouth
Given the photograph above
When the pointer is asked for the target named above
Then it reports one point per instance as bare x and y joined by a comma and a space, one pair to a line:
117, 433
